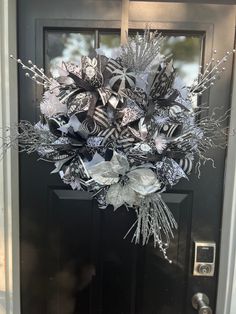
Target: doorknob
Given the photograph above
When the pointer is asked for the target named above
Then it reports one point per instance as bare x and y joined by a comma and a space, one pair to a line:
200, 302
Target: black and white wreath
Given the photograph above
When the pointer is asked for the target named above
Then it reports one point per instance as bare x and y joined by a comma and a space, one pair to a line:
124, 129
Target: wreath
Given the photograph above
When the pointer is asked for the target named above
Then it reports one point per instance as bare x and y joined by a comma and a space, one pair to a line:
125, 129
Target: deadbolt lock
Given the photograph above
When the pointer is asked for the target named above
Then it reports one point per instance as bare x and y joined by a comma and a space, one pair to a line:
204, 269
204, 259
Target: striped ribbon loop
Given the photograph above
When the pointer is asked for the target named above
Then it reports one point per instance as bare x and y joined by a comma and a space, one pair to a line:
125, 143
101, 117
112, 65
163, 81
186, 164
90, 126
105, 94
122, 138
170, 130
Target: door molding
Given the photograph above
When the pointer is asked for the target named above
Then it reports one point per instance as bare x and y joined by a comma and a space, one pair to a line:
226, 298
9, 196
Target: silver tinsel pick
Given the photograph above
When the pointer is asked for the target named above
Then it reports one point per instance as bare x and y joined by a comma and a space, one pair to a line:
154, 220
141, 50
28, 138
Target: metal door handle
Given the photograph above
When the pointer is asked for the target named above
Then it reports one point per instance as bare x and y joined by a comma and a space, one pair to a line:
200, 303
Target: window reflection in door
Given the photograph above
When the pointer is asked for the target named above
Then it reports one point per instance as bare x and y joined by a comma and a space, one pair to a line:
64, 45
186, 53
108, 43
70, 46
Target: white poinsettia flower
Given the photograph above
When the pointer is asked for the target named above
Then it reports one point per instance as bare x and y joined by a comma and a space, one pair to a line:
51, 105
161, 120
119, 194
127, 184
108, 172
160, 143
143, 181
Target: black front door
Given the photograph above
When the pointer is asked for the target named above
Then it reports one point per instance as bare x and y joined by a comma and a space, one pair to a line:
73, 255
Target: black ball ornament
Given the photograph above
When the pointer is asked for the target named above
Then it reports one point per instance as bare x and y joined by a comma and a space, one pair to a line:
122, 79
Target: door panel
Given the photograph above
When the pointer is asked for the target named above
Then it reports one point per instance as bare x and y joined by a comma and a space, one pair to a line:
73, 256
91, 270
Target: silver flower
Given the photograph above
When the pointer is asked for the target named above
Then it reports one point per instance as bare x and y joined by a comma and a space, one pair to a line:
127, 184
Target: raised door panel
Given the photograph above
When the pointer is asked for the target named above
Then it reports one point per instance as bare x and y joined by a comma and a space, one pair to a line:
91, 268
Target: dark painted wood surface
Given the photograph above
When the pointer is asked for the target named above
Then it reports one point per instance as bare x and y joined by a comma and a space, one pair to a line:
195, 1
73, 256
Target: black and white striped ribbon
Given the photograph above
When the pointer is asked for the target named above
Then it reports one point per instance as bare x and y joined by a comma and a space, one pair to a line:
112, 65
90, 126
105, 94
101, 117
123, 138
186, 164
162, 82
170, 129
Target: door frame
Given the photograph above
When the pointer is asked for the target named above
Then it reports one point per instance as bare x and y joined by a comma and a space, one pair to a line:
226, 297
9, 171
9, 186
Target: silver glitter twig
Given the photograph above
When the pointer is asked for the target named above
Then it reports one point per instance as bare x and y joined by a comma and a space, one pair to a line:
154, 220
141, 50
211, 73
